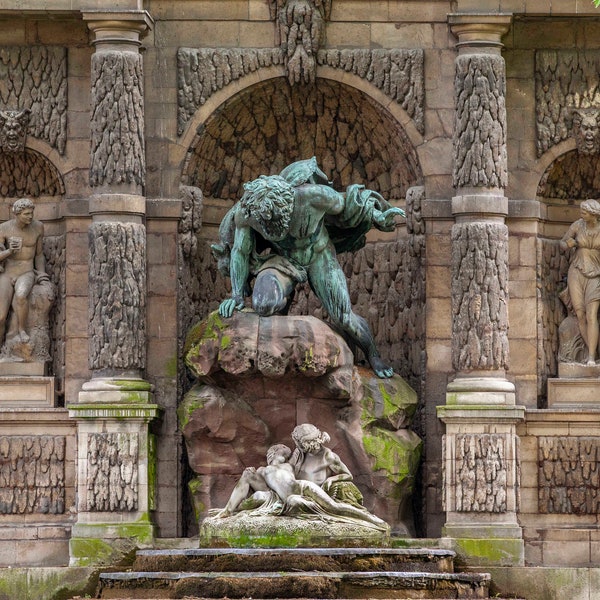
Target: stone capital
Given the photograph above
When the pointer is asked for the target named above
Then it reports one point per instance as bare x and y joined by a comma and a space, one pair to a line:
118, 30
477, 32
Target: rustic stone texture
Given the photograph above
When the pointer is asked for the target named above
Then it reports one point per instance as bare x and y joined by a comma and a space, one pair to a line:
480, 473
398, 73
32, 474
112, 475
572, 176
55, 254
222, 432
35, 77
267, 128
246, 344
480, 158
201, 72
569, 475
479, 296
117, 151
28, 174
552, 267
564, 80
117, 295
301, 28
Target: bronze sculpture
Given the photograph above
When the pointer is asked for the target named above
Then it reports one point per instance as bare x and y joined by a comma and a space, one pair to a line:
285, 230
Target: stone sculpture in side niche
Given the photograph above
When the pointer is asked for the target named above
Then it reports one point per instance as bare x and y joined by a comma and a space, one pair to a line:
579, 332
286, 230
26, 292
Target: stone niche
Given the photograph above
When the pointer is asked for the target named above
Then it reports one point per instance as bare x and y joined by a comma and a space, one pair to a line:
259, 377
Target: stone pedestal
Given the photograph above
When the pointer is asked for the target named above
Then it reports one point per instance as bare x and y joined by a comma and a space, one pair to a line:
115, 478
26, 392
481, 482
570, 392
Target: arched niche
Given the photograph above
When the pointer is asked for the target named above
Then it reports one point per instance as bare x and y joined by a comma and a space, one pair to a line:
570, 177
269, 125
29, 174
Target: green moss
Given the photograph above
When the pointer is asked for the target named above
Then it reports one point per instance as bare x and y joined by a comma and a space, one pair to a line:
195, 487
51, 583
489, 551
87, 552
134, 385
396, 453
210, 328
192, 401
152, 460
391, 399
225, 342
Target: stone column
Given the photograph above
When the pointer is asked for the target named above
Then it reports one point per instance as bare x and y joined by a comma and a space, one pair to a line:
115, 408
480, 445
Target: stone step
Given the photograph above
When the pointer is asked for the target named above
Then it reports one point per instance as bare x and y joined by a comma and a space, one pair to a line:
288, 584
430, 560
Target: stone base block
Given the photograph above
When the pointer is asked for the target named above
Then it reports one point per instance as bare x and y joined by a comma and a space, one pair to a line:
27, 392
499, 552
107, 543
572, 392
287, 532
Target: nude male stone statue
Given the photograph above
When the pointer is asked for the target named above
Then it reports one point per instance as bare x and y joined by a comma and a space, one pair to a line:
22, 264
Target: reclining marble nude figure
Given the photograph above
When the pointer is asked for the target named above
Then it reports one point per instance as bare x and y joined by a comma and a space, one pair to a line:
286, 230
276, 491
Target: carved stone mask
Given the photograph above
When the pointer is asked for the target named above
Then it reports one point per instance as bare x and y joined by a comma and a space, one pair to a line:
586, 131
13, 129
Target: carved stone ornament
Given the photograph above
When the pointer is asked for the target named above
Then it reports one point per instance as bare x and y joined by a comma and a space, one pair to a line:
480, 158
301, 27
479, 296
117, 295
13, 129
202, 72
35, 77
32, 474
481, 473
117, 149
112, 472
566, 84
569, 475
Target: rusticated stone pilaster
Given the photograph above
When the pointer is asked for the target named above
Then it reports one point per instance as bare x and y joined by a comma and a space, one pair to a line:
117, 149
32, 474
480, 158
479, 296
117, 295
112, 472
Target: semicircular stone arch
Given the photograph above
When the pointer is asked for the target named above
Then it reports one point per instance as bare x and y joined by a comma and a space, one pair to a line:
28, 174
269, 125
